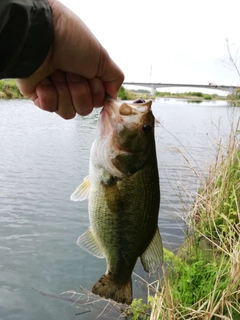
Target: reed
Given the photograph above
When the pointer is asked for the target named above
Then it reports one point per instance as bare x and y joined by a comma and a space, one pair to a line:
203, 280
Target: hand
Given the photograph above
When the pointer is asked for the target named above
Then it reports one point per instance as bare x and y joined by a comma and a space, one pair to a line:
77, 71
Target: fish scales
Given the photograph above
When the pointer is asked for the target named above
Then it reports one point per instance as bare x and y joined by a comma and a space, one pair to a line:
124, 196
119, 227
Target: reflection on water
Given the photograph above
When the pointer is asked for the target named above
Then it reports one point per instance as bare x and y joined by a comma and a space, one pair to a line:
43, 159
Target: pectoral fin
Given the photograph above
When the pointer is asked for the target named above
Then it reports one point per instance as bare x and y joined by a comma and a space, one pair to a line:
88, 242
152, 258
82, 191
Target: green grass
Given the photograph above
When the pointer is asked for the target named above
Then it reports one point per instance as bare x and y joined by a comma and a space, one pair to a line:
9, 90
125, 94
221, 198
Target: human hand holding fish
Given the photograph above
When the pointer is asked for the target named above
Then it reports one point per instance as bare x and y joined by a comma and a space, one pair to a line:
77, 71
123, 195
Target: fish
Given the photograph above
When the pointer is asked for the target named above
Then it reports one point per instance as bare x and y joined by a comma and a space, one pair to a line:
123, 194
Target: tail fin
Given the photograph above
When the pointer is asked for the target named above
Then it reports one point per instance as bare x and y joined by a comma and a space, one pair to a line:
106, 287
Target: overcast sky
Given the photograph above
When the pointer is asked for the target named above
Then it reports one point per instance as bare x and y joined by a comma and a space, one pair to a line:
183, 40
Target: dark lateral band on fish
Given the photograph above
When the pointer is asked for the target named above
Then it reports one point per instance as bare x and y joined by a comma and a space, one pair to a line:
123, 195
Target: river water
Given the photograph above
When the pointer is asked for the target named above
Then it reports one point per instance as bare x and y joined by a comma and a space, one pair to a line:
43, 158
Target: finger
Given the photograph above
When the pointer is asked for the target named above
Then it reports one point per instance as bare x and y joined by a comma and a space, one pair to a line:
110, 74
112, 89
46, 96
113, 82
97, 92
64, 101
80, 94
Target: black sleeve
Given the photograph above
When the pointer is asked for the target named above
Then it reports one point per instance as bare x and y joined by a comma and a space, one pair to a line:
26, 35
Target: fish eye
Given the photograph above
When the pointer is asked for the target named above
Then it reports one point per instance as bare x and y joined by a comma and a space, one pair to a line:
146, 128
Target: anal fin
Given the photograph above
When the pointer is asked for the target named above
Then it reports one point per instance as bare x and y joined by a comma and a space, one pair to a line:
152, 258
88, 242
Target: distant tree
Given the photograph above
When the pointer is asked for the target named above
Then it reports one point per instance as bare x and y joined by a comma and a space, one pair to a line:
123, 94
142, 91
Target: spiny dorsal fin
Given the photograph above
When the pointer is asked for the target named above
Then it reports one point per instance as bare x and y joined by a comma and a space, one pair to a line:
82, 191
90, 244
152, 258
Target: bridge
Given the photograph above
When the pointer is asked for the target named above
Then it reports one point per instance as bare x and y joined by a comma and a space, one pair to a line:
154, 86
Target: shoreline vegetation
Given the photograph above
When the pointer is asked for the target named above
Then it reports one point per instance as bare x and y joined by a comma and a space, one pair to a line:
197, 97
9, 90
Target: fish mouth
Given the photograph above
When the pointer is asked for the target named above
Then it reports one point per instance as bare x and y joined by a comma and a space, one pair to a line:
120, 136
120, 108
117, 113
111, 106
105, 123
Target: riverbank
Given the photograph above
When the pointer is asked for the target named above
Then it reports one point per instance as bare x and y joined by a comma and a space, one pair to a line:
197, 97
203, 280
9, 90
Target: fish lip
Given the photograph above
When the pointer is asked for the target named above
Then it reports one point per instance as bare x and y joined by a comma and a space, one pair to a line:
106, 108
111, 106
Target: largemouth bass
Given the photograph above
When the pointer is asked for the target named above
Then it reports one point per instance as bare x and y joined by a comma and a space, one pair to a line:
123, 197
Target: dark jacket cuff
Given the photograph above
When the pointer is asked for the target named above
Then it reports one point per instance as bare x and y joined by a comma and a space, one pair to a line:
26, 35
